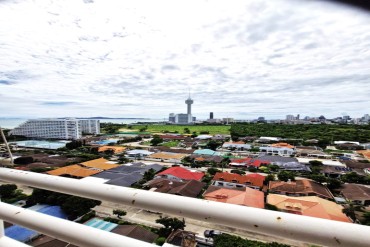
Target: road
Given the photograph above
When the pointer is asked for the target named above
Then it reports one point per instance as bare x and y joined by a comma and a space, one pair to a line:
145, 217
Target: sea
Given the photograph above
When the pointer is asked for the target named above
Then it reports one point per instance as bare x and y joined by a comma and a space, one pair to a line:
11, 123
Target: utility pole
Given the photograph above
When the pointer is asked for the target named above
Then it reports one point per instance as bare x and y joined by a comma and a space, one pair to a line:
7, 146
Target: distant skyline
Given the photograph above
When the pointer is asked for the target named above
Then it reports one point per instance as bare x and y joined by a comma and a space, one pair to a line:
240, 59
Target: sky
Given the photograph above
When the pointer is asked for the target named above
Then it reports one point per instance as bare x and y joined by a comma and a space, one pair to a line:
240, 59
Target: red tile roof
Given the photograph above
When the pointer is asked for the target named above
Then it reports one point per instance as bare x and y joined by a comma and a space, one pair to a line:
250, 162
183, 173
253, 179
249, 197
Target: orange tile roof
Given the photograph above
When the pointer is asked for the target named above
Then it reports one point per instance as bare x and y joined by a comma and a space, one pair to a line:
312, 206
73, 170
365, 153
164, 155
99, 164
116, 149
302, 186
238, 142
282, 145
254, 179
249, 197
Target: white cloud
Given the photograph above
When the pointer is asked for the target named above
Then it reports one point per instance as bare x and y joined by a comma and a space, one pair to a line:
240, 59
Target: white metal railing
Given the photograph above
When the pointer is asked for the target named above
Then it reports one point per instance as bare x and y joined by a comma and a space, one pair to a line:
284, 225
69, 231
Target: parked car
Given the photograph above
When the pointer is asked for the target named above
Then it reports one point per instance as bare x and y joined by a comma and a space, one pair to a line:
211, 233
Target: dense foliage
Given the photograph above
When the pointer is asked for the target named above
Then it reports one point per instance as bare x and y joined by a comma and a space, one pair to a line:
226, 240
73, 206
322, 132
170, 225
9, 193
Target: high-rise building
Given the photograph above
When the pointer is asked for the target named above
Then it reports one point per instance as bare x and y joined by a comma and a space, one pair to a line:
290, 117
189, 102
211, 115
55, 128
171, 117
183, 118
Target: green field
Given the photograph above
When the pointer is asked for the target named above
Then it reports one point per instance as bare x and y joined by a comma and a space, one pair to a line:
212, 129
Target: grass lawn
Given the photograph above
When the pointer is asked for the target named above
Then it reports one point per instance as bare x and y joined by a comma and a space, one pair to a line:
218, 129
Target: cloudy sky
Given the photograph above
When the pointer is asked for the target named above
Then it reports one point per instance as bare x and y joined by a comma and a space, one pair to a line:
240, 59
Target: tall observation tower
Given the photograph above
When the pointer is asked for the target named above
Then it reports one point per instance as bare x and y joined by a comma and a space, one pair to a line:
189, 101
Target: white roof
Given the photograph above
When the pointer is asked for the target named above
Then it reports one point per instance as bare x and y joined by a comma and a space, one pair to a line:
139, 151
270, 138
326, 162
344, 142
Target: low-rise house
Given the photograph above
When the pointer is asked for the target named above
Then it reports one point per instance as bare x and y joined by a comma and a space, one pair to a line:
74, 171
124, 175
237, 145
166, 157
190, 188
136, 232
275, 159
248, 162
180, 174
294, 166
356, 193
312, 206
266, 139
335, 171
201, 159
246, 197
283, 151
84, 169
282, 145
138, 153
115, 149
205, 152
365, 153
325, 162
231, 180
302, 187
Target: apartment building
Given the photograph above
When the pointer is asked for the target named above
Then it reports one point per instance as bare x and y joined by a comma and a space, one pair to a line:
64, 128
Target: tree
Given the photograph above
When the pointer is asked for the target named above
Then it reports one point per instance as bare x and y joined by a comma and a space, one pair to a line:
318, 178
366, 220
352, 177
268, 178
213, 145
73, 144
170, 225
274, 168
119, 213
240, 172
75, 206
156, 140
333, 183
7, 190
186, 131
25, 160
285, 176
252, 169
213, 171
315, 163
149, 174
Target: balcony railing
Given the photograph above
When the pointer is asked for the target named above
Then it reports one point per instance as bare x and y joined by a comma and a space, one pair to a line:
273, 223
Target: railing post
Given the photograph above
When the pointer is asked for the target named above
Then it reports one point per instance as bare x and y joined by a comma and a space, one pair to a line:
2, 234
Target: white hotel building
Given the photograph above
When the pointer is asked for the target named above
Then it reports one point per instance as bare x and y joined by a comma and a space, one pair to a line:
67, 128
